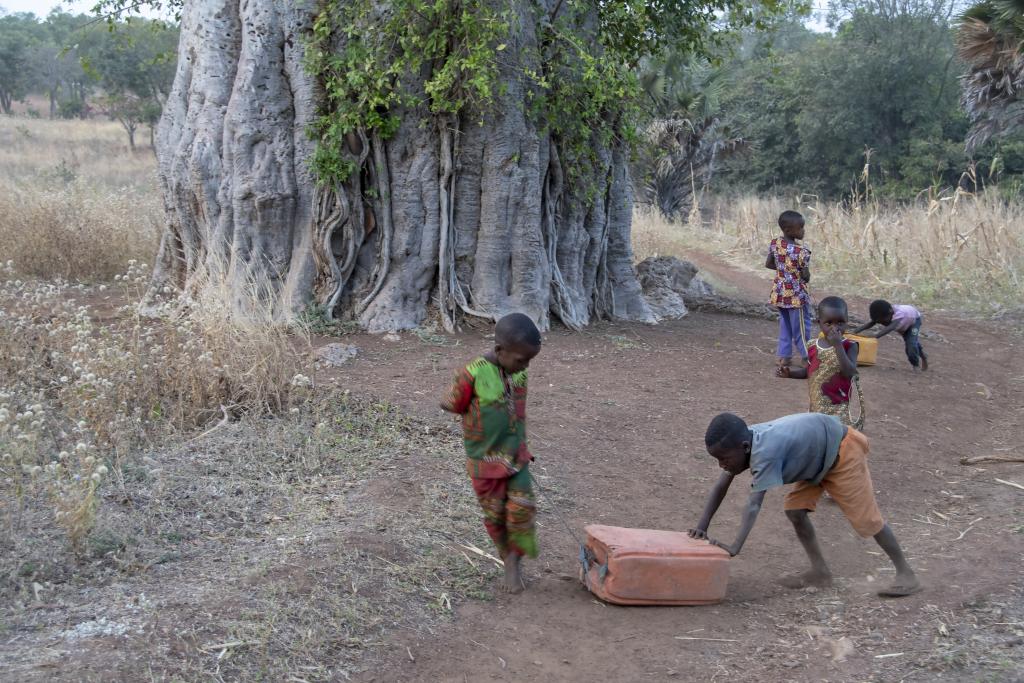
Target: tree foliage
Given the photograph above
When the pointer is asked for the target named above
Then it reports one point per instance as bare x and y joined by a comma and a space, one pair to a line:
679, 149
20, 36
882, 85
990, 40
582, 85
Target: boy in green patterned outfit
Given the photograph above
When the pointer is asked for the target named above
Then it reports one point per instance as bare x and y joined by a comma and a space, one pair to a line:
490, 394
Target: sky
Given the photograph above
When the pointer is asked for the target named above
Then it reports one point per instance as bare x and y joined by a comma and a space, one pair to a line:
42, 7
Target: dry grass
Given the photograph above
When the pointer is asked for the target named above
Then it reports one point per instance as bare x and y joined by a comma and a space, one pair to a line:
959, 252
95, 150
226, 515
75, 203
179, 479
80, 391
281, 549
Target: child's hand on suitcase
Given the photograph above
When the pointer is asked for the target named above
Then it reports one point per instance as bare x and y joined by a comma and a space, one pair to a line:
698, 533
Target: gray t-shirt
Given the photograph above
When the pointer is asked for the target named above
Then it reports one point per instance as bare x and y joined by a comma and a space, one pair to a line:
794, 448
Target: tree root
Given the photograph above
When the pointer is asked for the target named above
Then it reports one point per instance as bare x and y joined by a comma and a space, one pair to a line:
446, 248
383, 178
451, 294
561, 298
334, 208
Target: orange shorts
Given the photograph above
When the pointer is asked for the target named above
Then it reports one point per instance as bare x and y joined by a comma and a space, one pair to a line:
849, 484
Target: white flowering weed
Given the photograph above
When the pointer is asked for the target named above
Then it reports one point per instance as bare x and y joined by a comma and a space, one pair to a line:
79, 395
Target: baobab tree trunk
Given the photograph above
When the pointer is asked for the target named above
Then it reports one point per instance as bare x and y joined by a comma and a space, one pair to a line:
466, 217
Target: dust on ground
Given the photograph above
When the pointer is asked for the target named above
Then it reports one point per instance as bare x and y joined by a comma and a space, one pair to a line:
340, 545
617, 417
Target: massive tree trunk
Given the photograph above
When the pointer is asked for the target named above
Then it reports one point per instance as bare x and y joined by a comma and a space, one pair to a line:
464, 217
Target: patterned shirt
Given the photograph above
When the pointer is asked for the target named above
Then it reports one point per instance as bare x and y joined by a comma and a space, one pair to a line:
829, 390
788, 290
827, 382
493, 409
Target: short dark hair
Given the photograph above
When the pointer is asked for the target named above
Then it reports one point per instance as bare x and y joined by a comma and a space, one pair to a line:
787, 218
517, 329
879, 308
836, 303
726, 430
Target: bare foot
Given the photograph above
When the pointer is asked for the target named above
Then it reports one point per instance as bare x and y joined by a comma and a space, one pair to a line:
809, 578
513, 582
902, 586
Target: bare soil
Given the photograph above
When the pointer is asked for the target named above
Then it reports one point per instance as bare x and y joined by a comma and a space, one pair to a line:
617, 417
332, 546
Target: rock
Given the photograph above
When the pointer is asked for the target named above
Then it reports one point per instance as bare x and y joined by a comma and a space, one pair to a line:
336, 354
665, 271
666, 282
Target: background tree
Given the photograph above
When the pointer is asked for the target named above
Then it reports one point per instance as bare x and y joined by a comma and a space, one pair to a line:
889, 80
990, 39
66, 82
679, 149
20, 35
763, 101
812, 105
134, 68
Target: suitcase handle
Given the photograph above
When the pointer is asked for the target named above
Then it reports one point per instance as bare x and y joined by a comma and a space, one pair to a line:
586, 557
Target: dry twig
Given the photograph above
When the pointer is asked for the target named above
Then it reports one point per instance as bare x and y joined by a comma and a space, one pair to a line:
991, 458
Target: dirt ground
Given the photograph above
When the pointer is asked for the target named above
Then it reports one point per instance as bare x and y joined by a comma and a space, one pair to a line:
327, 547
617, 416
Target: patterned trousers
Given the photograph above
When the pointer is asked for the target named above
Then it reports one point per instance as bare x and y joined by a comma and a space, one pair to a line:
509, 510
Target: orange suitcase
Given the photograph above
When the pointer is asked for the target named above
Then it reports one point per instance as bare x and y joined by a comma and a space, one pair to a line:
649, 567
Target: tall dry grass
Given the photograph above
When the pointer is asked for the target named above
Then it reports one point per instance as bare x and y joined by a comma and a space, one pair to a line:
80, 391
74, 202
189, 436
95, 150
962, 251
87, 382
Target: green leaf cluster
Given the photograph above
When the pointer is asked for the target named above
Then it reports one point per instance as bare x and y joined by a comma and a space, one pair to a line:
369, 60
449, 58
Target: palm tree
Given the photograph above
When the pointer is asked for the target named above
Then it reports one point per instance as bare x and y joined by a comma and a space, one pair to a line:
990, 39
686, 136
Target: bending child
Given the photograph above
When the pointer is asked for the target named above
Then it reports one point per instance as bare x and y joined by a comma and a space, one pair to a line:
814, 452
791, 263
902, 318
831, 365
490, 394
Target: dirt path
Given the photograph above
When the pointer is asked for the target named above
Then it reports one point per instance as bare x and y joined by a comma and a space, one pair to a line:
617, 420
